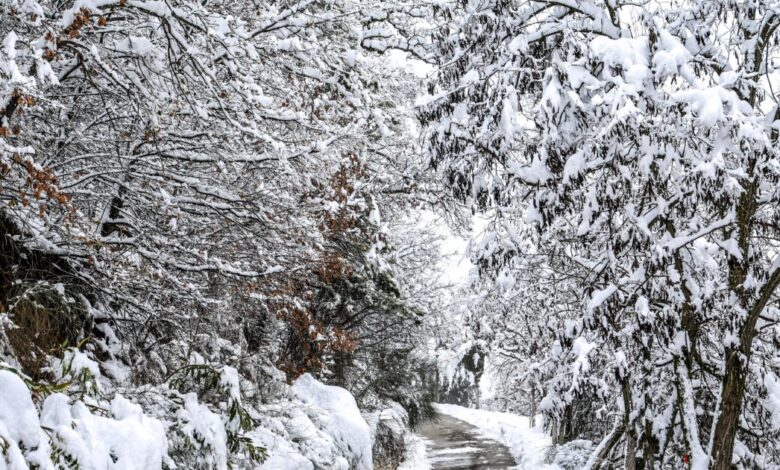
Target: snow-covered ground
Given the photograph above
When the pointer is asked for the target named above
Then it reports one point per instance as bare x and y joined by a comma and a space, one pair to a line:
528, 445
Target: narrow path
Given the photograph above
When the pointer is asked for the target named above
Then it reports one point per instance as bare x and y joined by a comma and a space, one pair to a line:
453, 444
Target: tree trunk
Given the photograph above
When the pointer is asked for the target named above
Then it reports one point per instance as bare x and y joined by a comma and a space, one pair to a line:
734, 382
565, 425
730, 409
649, 447
737, 358
630, 462
604, 448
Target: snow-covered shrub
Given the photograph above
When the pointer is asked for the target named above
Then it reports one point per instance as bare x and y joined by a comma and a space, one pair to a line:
312, 425
94, 435
45, 317
206, 438
389, 428
88, 422
315, 426
572, 455
342, 419
79, 372
73, 433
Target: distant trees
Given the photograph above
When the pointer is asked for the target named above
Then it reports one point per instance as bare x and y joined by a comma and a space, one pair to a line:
628, 158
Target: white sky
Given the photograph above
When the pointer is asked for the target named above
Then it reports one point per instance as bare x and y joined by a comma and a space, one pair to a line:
455, 264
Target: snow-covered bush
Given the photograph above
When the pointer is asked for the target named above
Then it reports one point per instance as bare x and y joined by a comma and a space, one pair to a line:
69, 432
389, 431
342, 419
311, 425
572, 455
215, 436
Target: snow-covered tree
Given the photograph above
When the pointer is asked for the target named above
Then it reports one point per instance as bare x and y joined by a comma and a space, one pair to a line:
635, 146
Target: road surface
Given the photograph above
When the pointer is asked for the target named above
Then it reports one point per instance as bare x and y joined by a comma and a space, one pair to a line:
453, 444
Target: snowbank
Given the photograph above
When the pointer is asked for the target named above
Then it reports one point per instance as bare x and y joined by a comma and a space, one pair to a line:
528, 446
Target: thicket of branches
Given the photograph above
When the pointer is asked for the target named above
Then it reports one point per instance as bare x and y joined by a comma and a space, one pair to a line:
190, 183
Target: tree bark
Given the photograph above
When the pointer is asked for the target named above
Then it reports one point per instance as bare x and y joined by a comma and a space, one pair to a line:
737, 358
730, 409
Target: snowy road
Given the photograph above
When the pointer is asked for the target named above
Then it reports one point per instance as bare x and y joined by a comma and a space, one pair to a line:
454, 444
